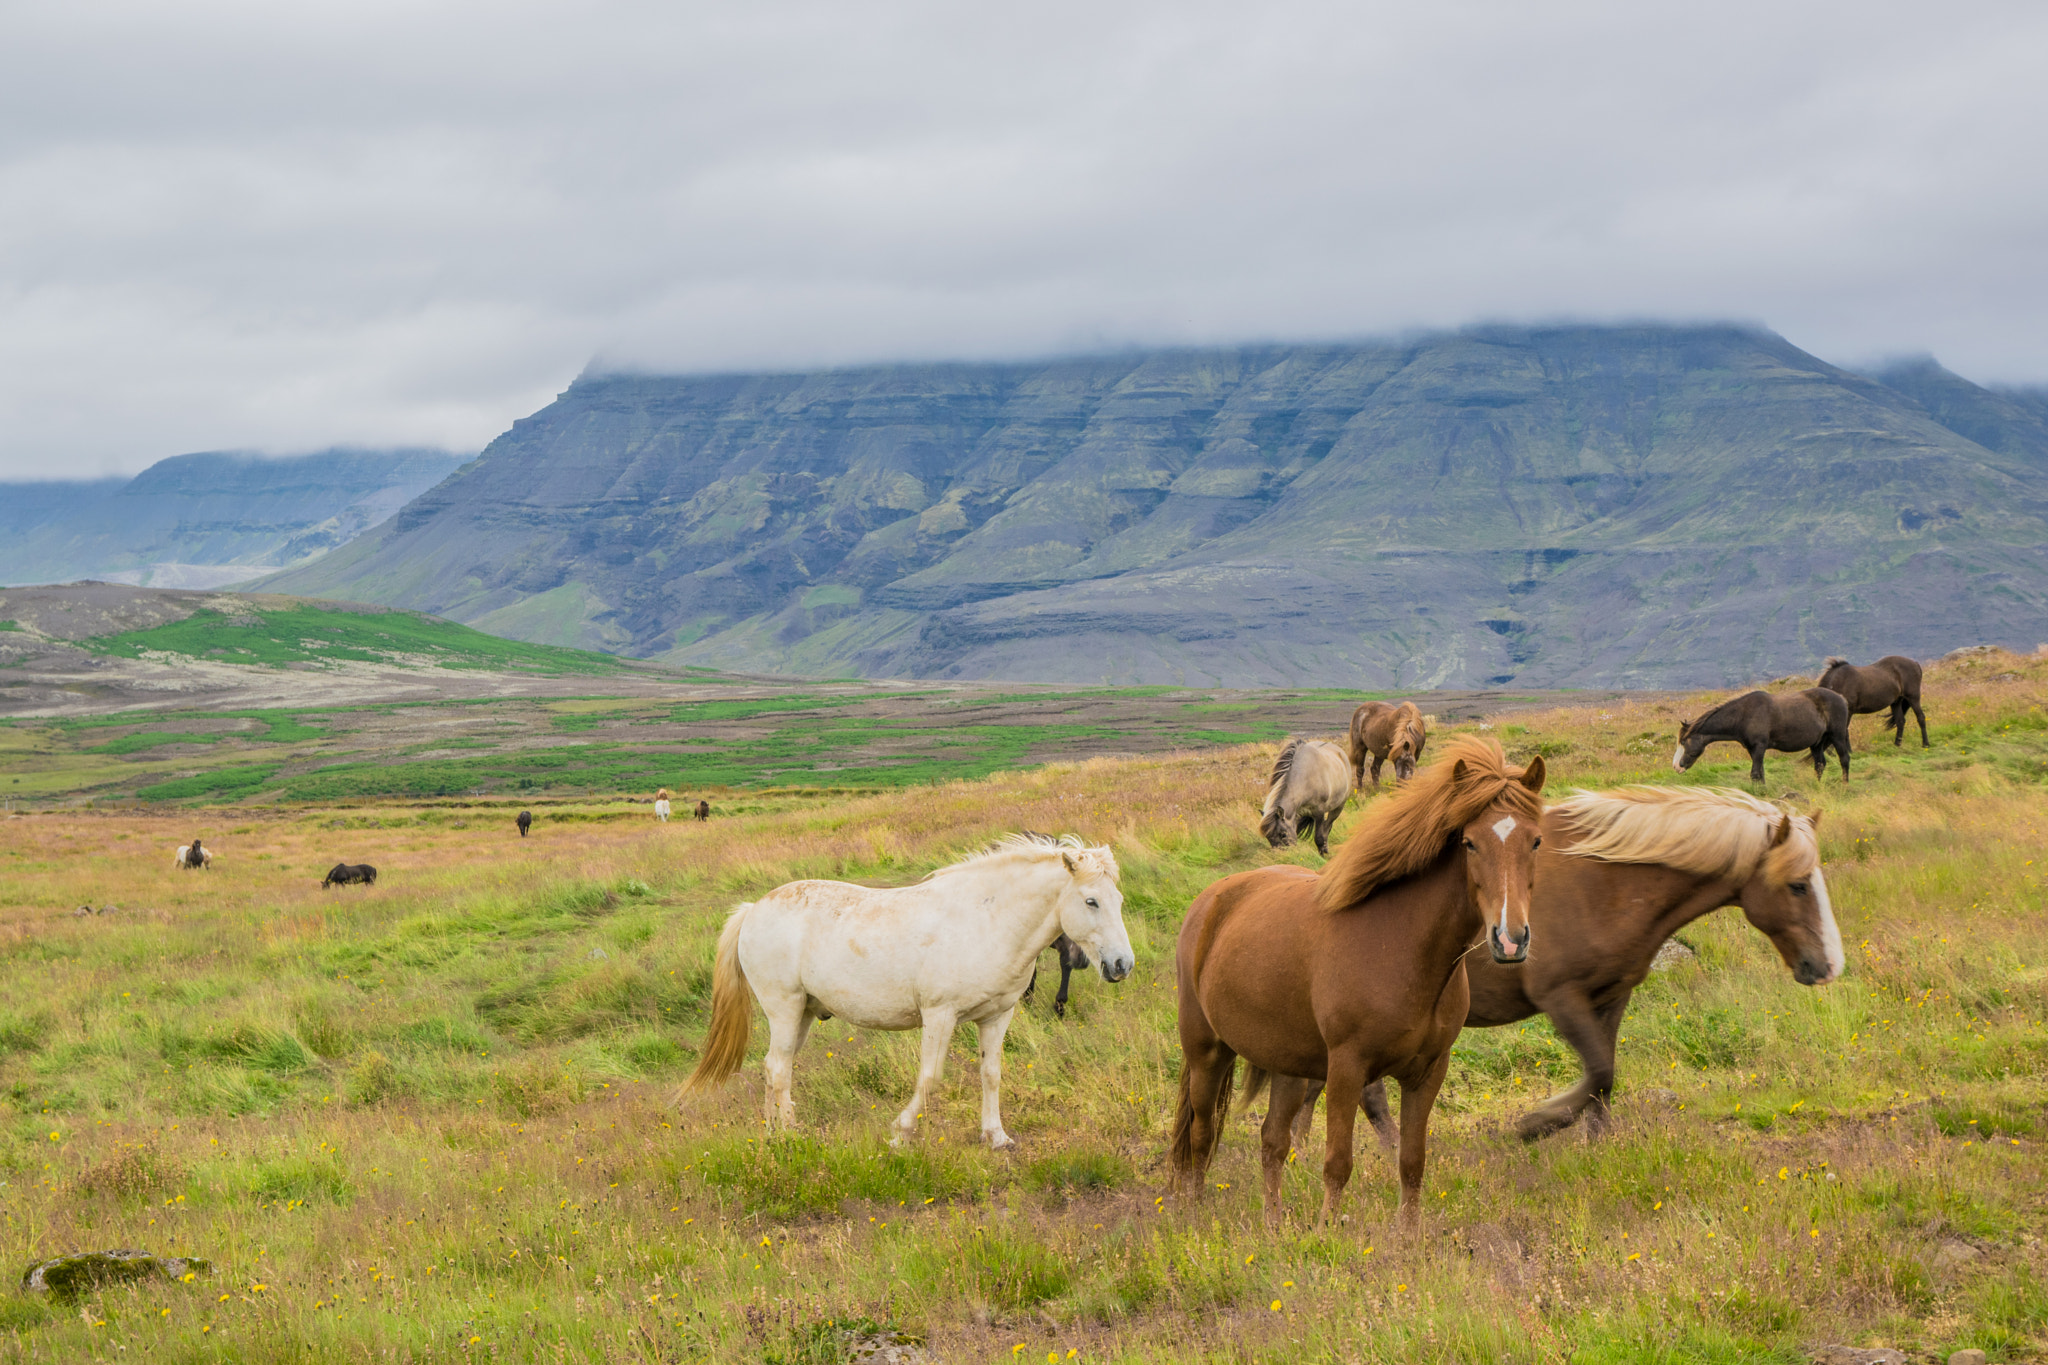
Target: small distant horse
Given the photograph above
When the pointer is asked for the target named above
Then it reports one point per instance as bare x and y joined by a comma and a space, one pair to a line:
525, 822
1620, 872
1382, 732
350, 874
1891, 684
661, 805
193, 855
1816, 719
1311, 782
703, 810
1358, 973
961, 944
1072, 960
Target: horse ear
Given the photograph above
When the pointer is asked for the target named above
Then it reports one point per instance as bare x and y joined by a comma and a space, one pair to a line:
1458, 771
1684, 728
1068, 859
1782, 832
1814, 820
1532, 776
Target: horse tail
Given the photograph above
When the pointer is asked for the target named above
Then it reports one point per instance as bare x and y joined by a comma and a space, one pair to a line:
1181, 1152
1834, 662
732, 1012
1272, 823
1253, 1081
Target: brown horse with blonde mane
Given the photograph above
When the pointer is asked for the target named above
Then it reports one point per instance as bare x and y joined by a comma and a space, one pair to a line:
1358, 973
1620, 872
1385, 732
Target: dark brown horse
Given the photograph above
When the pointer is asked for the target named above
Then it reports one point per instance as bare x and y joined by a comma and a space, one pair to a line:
1620, 872
703, 810
1815, 719
1891, 684
1383, 731
1358, 973
525, 822
1072, 959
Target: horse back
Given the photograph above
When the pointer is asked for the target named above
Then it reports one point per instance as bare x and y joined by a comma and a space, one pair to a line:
1906, 670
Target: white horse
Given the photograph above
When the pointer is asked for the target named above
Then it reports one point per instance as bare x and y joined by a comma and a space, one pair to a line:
961, 944
191, 855
661, 809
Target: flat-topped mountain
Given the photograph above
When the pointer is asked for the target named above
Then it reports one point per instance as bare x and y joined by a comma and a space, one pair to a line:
199, 521
1644, 506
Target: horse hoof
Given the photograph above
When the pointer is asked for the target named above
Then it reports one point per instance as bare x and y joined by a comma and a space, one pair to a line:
1000, 1142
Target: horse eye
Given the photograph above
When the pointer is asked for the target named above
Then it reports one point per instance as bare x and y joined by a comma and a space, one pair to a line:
1798, 888
1092, 904
1469, 845
1538, 843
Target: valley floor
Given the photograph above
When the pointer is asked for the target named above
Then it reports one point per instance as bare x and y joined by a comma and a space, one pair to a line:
435, 1119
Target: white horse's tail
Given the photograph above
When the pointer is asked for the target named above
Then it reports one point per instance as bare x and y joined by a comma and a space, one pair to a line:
732, 1012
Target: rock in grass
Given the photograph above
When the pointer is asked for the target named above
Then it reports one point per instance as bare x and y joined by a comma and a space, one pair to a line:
1972, 1356
67, 1277
1671, 955
1858, 1355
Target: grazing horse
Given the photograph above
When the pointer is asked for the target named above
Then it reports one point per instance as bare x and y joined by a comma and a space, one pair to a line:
661, 805
193, 855
1815, 719
961, 944
1072, 960
1620, 872
1358, 973
525, 822
1308, 789
350, 874
703, 810
1891, 684
1383, 731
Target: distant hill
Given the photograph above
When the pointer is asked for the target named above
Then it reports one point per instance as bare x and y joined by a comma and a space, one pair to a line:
199, 521
1582, 506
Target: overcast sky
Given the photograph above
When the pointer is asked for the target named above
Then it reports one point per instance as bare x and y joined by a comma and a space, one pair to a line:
286, 226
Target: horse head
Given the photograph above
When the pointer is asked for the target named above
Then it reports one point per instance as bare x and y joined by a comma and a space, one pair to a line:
1787, 900
1690, 746
1405, 750
1500, 865
1092, 911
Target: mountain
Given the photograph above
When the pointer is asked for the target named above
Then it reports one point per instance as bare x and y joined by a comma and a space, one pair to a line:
198, 521
1569, 506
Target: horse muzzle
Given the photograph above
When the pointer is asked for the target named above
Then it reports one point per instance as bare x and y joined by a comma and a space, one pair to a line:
1115, 969
1811, 973
1404, 770
1512, 951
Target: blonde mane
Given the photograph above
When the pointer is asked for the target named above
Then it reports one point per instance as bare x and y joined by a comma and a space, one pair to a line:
1406, 832
1039, 847
1710, 831
1410, 726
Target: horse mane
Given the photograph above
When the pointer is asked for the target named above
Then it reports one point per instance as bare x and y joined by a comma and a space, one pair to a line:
1403, 834
1032, 844
1833, 663
1708, 831
1412, 726
1276, 786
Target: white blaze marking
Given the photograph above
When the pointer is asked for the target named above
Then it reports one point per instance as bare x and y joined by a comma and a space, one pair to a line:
1830, 936
1503, 827
1678, 759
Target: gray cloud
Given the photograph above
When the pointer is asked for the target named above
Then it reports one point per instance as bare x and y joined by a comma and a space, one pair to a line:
282, 227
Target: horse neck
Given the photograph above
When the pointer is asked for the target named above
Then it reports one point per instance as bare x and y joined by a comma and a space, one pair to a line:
1439, 901
1676, 904
1027, 904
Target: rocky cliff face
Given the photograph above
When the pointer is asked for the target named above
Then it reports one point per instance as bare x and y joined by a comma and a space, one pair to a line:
1571, 506
201, 520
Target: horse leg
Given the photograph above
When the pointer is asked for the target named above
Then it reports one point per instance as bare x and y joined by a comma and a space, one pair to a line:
1377, 760
1756, 763
1059, 1002
1590, 1031
1207, 1070
938, 1036
1323, 823
789, 1023
1920, 716
1416, 1102
1283, 1101
1381, 1117
992, 1032
1030, 989
1345, 1086
1305, 1117
1820, 760
1896, 721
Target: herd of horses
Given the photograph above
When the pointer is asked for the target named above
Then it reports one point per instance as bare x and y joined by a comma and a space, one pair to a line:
1332, 981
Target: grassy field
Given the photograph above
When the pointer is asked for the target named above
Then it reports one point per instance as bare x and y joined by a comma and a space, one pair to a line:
435, 1120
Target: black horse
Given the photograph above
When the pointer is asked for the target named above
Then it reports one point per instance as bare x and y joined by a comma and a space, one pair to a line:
350, 874
703, 810
1815, 719
1072, 960
525, 822
1891, 684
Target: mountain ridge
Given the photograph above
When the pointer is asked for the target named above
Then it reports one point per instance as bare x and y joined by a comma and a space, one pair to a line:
1570, 506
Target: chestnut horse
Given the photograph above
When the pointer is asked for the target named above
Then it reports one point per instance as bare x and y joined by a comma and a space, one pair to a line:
1891, 684
1357, 973
1620, 872
1382, 731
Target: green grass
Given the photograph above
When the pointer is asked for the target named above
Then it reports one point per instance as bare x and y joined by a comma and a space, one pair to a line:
310, 634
